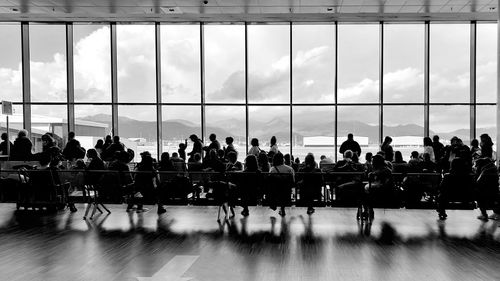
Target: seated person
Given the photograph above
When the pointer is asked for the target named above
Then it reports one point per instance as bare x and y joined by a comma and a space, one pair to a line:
194, 163
415, 163
282, 194
263, 162
250, 189
455, 186
233, 163
399, 165
165, 163
145, 182
178, 162
310, 181
428, 166
120, 165
96, 164
380, 186
368, 162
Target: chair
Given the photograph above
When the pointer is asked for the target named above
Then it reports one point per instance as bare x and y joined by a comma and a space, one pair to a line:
92, 193
279, 188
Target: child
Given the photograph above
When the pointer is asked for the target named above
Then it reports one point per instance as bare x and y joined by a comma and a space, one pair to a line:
182, 149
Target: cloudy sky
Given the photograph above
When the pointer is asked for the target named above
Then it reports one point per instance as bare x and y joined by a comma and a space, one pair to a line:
313, 60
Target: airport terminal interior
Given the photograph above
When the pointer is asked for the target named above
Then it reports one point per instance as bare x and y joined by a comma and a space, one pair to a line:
249, 140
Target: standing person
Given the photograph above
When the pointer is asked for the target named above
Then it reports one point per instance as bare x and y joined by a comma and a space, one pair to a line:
230, 147
182, 149
255, 150
274, 146
429, 149
99, 146
197, 145
475, 151
3, 145
486, 146
214, 143
350, 144
438, 148
73, 149
282, 192
486, 185
380, 185
387, 149
107, 142
22, 147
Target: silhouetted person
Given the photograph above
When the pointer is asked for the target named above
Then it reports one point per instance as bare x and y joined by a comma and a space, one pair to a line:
250, 187
230, 147
197, 145
182, 149
214, 143
350, 144
387, 149
415, 163
428, 166
96, 164
486, 185
263, 162
4, 143
194, 163
438, 148
255, 150
486, 146
233, 163
73, 149
99, 146
273, 145
380, 185
428, 148
399, 165
283, 190
475, 151
145, 182
368, 161
116, 146
107, 142
22, 147
165, 163
310, 182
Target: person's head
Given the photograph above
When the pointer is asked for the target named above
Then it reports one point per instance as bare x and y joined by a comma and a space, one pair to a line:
232, 157
4, 136
454, 140
270, 155
262, 158
348, 154
435, 138
220, 153
71, 135
251, 163
165, 157
426, 156
22, 133
182, 145
273, 140
145, 154
108, 138
368, 156
212, 137
387, 140
427, 141
92, 153
414, 154
175, 155
278, 159
197, 157
193, 138
254, 142
309, 161
147, 161
378, 161
116, 139
229, 140
80, 164
99, 144
485, 140
350, 136
474, 143
47, 140
398, 157
297, 160
287, 158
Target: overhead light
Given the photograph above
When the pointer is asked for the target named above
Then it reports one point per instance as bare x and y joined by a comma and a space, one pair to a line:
171, 10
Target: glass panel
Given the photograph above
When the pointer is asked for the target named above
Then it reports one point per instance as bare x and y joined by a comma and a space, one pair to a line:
314, 131
180, 63
137, 128
10, 63
405, 124
404, 63
449, 121
179, 122
16, 122
268, 63
224, 63
92, 62
48, 62
48, 119
92, 122
362, 122
313, 63
267, 121
486, 122
449, 63
227, 121
136, 63
358, 63
486, 62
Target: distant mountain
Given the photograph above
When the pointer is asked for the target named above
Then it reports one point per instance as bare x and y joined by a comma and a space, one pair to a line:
177, 129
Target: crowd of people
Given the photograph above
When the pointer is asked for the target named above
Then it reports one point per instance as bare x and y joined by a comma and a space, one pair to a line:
466, 171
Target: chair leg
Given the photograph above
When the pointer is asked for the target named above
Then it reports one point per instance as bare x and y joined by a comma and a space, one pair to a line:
99, 209
87, 210
218, 214
104, 207
93, 211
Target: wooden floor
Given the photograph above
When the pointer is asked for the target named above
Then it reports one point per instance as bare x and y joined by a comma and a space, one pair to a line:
187, 242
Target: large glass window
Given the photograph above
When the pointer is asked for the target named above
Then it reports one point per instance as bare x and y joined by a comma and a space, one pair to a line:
313, 131
179, 122
224, 63
486, 62
486, 121
362, 122
136, 63
227, 121
450, 120
92, 122
450, 63
267, 121
313, 63
358, 63
180, 63
16, 122
405, 124
10, 62
49, 119
92, 62
137, 128
48, 62
268, 63
403, 63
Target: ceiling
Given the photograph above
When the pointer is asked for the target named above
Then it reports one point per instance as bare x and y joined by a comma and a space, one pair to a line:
248, 10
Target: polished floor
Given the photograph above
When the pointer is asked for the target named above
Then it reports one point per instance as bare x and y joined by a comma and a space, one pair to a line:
187, 243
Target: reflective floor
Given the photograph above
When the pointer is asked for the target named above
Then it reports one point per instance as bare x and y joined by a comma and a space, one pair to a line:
187, 243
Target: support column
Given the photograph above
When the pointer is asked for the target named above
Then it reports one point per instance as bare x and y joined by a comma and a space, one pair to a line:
25, 46
498, 82
70, 78
159, 118
114, 81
